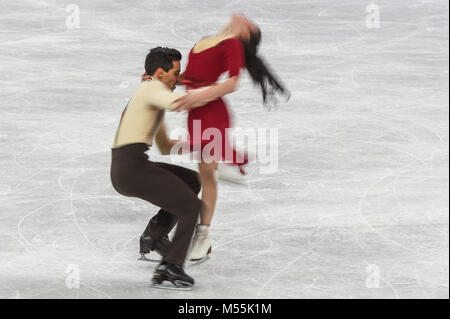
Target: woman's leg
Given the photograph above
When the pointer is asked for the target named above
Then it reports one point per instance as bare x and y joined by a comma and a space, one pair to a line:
209, 192
201, 245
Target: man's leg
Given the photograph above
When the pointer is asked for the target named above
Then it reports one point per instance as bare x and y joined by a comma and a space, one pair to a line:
163, 222
166, 190
132, 175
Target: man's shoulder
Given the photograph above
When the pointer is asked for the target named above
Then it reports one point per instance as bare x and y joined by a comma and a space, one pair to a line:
152, 86
152, 83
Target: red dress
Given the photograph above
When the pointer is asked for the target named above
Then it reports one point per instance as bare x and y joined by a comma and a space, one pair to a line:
203, 69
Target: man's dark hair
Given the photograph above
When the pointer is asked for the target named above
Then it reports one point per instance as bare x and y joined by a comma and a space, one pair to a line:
160, 57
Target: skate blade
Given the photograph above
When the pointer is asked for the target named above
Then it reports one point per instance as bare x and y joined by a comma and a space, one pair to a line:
233, 181
200, 260
144, 258
194, 262
169, 286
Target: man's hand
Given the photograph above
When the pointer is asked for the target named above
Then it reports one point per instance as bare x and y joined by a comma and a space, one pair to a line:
172, 142
145, 77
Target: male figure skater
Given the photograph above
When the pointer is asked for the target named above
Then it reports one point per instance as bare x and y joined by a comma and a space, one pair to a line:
173, 188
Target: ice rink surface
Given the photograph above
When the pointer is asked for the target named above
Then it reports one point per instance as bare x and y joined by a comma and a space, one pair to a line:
357, 209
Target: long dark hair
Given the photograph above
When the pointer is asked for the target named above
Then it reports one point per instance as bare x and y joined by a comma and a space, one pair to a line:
259, 72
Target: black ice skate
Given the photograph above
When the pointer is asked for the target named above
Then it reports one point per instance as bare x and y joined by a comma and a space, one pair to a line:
147, 244
170, 276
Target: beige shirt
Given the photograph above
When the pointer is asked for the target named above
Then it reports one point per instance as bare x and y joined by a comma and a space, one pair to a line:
143, 118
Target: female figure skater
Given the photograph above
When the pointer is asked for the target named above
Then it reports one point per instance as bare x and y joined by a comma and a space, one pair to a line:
233, 48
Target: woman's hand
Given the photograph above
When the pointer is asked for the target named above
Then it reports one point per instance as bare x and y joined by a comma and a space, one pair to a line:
145, 77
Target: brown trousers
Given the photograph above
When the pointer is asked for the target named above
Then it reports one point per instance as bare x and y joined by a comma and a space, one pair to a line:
172, 188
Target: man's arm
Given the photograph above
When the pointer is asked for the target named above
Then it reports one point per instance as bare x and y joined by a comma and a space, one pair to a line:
201, 96
162, 140
156, 94
164, 98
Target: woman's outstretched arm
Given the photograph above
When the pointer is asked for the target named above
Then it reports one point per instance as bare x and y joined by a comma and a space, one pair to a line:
200, 97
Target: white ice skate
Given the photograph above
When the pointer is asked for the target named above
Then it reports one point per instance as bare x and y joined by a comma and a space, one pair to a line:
201, 244
231, 173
